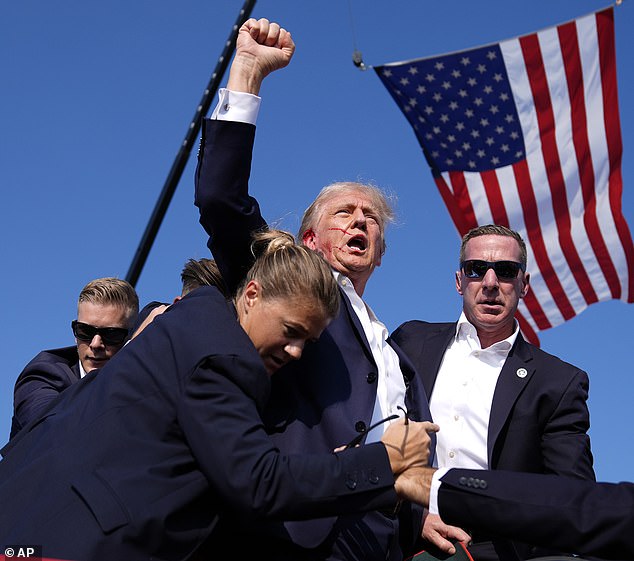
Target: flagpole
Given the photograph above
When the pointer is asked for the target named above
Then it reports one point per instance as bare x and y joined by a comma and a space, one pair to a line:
185, 149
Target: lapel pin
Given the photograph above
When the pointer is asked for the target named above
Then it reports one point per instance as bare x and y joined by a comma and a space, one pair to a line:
521, 372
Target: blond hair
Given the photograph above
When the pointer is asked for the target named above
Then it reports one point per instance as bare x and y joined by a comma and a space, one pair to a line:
114, 292
286, 270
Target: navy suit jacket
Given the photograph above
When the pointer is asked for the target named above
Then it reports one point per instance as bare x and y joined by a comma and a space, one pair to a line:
326, 398
140, 460
41, 381
566, 513
539, 419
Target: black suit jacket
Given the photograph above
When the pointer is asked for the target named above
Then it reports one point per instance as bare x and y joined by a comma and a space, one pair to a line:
539, 415
326, 398
140, 460
566, 513
41, 381
539, 419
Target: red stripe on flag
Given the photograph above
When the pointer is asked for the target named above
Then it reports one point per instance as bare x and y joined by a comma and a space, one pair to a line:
537, 311
458, 201
533, 231
451, 204
526, 329
574, 77
463, 199
607, 59
494, 196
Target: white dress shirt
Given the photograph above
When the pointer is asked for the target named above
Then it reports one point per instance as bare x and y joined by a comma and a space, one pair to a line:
462, 396
433, 492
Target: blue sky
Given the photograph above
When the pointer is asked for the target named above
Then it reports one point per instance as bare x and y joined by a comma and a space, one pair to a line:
97, 97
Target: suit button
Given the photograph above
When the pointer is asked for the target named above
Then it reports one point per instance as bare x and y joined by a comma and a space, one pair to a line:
470, 482
373, 478
483, 484
351, 484
359, 426
462, 480
371, 378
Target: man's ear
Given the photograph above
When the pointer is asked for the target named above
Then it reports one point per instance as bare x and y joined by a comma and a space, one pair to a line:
308, 239
459, 283
526, 285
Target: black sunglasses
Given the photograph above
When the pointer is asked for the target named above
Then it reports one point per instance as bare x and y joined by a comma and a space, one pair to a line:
476, 268
109, 335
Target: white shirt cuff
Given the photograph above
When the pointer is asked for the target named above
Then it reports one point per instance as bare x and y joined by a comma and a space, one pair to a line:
435, 486
236, 106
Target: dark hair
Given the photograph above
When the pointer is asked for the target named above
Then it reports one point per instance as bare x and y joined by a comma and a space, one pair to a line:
203, 272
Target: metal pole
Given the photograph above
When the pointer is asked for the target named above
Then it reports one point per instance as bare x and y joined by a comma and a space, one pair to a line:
186, 147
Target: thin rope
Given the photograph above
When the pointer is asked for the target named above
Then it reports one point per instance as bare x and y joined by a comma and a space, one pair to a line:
357, 57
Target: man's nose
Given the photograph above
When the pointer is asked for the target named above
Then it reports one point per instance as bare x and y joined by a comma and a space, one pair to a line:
359, 218
490, 279
97, 342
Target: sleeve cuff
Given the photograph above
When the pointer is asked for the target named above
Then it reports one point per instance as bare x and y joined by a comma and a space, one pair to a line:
435, 486
236, 106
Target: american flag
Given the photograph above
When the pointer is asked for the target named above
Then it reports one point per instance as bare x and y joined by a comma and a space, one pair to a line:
525, 133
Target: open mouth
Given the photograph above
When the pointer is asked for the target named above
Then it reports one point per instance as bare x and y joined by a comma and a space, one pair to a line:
358, 243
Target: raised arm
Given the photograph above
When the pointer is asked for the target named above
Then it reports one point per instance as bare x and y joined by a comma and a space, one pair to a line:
228, 213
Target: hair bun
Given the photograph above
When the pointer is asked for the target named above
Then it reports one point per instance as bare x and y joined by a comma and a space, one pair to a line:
271, 241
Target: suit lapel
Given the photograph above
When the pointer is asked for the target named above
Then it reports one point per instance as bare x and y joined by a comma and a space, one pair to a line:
356, 325
407, 368
75, 370
432, 353
514, 376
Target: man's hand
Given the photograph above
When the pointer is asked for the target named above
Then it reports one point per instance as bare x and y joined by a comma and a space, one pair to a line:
407, 444
439, 533
414, 485
261, 48
149, 319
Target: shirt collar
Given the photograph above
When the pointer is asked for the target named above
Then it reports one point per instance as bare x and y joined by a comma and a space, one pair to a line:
82, 372
466, 331
357, 302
